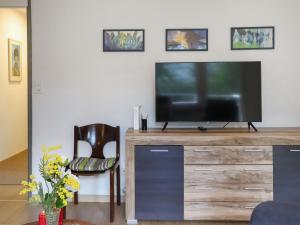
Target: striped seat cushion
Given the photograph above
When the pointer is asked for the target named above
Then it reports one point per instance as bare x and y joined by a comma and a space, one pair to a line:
82, 164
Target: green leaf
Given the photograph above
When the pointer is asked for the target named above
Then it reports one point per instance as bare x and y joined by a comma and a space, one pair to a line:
59, 203
66, 163
41, 193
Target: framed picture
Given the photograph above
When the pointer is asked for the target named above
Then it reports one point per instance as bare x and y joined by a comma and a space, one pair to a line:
252, 38
123, 40
14, 60
186, 39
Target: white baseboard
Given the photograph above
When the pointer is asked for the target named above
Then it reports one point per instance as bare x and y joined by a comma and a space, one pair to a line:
132, 222
97, 198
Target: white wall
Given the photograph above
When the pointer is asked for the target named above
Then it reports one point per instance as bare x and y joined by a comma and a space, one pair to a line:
76, 83
13, 96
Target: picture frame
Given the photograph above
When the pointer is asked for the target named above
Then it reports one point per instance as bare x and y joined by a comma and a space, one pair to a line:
123, 40
187, 39
252, 38
14, 60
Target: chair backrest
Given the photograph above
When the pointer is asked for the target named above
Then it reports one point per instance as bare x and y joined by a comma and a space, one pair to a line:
97, 135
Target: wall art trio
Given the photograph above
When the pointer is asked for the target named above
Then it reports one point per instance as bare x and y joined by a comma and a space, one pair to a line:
242, 38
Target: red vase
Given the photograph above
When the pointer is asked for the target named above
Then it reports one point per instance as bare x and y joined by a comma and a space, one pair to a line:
61, 217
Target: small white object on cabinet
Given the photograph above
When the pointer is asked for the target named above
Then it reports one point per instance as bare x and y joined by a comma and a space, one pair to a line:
136, 117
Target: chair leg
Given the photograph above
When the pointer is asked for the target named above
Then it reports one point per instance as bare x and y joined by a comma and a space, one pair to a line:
76, 198
112, 194
118, 186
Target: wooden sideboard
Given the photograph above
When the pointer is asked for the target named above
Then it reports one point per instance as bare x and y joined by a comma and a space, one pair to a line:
227, 172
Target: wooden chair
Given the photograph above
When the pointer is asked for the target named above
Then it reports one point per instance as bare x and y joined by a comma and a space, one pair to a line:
97, 135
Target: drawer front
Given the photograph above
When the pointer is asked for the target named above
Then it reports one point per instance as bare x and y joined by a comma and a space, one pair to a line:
228, 155
234, 193
287, 173
228, 174
231, 211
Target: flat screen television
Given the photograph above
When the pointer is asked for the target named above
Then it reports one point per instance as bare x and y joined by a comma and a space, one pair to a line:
208, 91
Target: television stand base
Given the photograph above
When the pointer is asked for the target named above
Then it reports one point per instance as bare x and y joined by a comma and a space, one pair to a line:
202, 128
250, 124
165, 126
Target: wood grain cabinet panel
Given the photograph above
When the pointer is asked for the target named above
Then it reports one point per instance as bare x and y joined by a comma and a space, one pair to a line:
226, 182
228, 174
228, 155
230, 193
226, 211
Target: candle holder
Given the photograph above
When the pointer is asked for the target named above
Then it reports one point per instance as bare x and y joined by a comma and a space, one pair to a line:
42, 218
144, 124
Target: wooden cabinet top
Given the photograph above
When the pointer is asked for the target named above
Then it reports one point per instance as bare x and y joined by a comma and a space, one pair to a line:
226, 136
209, 132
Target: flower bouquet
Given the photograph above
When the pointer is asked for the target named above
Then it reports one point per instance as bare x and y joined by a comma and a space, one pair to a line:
59, 184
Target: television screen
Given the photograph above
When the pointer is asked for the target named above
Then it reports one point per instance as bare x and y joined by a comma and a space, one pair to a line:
208, 91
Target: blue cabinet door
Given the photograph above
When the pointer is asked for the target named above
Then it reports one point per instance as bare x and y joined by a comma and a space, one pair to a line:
287, 173
159, 182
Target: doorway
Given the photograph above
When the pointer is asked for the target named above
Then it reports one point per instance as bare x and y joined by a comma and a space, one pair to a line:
13, 102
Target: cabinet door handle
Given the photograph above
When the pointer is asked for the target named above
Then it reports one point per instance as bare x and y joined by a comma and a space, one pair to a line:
204, 150
203, 170
254, 189
249, 170
204, 188
253, 150
159, 150
294, 150
249, 207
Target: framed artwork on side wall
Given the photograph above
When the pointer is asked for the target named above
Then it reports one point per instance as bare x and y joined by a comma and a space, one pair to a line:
124, 40
246, 38
186, 39
14, 60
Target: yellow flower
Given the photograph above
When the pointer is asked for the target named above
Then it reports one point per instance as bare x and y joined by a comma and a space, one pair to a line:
53, 168
23, 191
72, 182
29, 186
64, 194
24, 182
50, 149
54, 148
46, 151
35, 199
